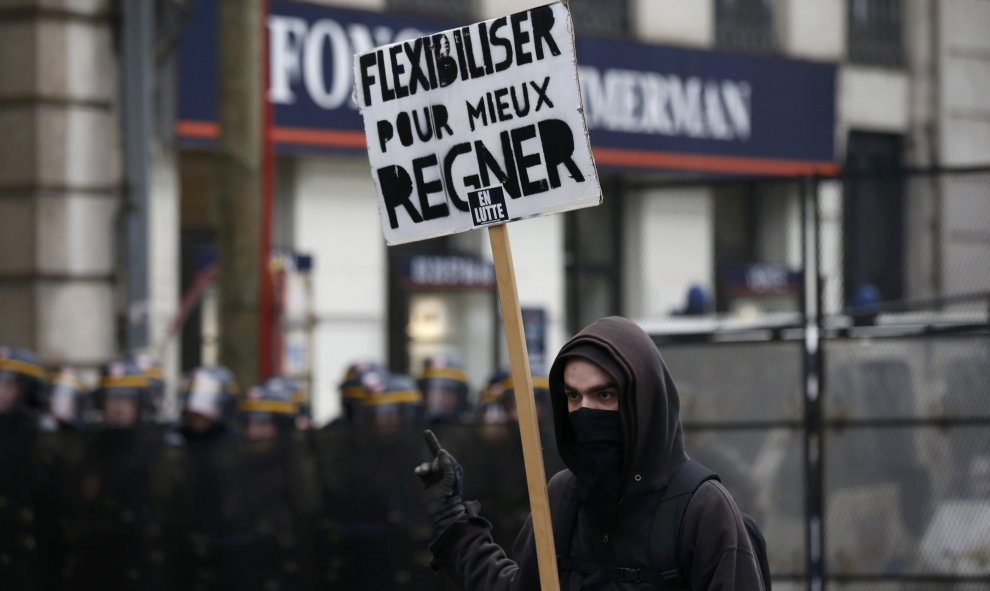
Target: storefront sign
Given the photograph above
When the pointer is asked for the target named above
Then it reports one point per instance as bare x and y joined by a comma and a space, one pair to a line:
448, 272
535, 327
476, 126
647, 107
761, 279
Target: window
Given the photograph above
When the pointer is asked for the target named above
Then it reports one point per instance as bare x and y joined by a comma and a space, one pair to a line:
873, 218
745, 25
600, 17
876, 32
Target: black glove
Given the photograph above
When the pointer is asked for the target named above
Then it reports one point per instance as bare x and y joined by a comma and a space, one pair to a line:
444, 482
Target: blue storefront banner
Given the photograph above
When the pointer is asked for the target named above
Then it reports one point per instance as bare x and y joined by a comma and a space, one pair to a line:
648, 107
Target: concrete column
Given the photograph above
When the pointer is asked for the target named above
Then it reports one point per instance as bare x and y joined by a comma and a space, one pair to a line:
163, 264
538, 258
675, 22
812, 30
964, 140
336, 220
60, 178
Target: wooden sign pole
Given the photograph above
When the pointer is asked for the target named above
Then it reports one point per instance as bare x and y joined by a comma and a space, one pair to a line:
522, 382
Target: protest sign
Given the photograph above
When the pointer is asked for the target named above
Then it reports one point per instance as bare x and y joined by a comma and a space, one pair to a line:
477, 125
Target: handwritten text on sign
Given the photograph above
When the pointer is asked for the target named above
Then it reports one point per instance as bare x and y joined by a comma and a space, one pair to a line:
462, 117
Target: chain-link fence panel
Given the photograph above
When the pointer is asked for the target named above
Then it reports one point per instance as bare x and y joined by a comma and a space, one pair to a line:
737, 383
741, 404
763, 470
907, 471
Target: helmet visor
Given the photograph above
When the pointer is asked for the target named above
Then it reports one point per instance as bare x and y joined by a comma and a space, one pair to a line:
205, 395
64, 402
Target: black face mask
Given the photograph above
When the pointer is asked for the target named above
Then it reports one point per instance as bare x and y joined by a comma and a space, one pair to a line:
599, 469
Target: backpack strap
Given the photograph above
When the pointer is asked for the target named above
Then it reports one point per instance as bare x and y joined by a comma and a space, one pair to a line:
666, 536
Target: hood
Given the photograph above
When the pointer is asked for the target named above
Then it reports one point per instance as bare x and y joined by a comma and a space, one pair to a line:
648, 402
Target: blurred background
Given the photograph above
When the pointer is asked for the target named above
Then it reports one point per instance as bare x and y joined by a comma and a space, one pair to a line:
797, 209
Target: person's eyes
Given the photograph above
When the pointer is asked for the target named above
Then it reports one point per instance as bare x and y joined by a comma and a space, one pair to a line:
572, 395
607, 395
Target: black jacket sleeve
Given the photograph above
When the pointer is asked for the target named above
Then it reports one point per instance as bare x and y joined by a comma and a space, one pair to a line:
467, 553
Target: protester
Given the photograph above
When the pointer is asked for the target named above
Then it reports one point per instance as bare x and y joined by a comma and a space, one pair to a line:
618, 431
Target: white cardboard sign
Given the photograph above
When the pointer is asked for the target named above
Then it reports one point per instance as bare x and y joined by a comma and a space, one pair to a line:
477, 125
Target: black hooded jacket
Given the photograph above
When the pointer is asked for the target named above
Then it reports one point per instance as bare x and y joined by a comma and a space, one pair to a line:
715, 551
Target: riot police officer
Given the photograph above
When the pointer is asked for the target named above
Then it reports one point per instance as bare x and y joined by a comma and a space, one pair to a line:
391, 401
292, 386
208, 400
111, 524
151, 367
21, 382
268, 413
444, 384
352, 390
65, 400
498, 400
22, 378
123, 396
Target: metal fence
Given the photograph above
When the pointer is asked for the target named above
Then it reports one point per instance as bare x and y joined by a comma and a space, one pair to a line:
856, 430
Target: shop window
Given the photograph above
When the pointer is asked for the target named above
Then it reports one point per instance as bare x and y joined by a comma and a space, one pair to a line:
873, 219
593, 261
600, 17
441, 301
876, 32
452, 9
756, 270
746, 25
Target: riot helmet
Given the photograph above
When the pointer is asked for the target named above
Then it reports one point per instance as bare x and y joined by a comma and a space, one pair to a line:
391, 401
297, 394
500, 398
122, 395
267, 412
208, 398
444, 385
352, 390
21, 380
66, 398
492, 399
152, 369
